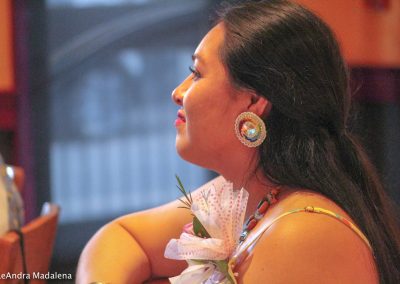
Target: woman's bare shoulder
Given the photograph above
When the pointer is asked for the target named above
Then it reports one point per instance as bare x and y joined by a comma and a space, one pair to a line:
309, 247
302, 198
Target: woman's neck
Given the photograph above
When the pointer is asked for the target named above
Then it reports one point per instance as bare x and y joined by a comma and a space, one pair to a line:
244, 171
253, 180
258, 185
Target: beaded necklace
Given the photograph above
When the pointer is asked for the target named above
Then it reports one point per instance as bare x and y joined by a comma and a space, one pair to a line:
262, 208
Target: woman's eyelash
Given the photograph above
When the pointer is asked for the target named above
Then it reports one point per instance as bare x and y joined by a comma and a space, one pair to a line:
194, 72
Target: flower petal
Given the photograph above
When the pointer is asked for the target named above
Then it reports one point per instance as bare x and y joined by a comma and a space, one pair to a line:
193, 247
221, 212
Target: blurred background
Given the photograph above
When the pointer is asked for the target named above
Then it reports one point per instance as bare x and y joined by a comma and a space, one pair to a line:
85, 104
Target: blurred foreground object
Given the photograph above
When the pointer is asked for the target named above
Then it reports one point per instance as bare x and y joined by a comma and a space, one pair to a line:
11, 205
38, 240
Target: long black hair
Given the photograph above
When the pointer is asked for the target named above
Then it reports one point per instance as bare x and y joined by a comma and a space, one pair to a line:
285, 53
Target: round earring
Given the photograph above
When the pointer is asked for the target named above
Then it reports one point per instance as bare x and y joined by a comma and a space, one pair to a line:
250, 129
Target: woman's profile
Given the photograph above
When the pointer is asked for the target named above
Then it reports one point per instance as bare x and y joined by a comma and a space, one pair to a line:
266, 106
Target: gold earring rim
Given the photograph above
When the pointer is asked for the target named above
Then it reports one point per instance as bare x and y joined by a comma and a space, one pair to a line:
252, 116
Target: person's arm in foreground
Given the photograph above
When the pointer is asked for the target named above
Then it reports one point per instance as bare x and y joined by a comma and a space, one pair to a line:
131, 249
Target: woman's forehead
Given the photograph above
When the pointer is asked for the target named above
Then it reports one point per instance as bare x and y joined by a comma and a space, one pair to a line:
208, 48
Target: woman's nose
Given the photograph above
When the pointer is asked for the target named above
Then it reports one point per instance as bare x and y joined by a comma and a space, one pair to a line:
178, 93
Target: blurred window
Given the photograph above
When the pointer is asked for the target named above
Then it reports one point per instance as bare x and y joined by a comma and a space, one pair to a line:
113, 65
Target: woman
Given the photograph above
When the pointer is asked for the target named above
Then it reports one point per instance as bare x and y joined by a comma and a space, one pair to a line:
279, 62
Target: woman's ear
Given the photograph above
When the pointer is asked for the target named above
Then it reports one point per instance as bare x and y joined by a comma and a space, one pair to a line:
260, 105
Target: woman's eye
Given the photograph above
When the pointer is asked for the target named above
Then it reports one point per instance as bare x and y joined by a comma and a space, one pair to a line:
196, 74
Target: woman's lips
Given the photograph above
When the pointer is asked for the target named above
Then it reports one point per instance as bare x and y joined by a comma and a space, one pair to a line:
181, 118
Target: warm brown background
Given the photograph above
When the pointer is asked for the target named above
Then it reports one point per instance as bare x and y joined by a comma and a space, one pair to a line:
368, 31
7, 80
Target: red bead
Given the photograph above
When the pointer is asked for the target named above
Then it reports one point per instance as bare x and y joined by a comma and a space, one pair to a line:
250, 218
271, 196
274, 191
273, 200
263, 207
251, 224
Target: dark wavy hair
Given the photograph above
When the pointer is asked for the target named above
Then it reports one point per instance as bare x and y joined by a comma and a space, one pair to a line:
285, 53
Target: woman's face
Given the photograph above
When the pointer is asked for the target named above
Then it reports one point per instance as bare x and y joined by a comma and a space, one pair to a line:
210, 105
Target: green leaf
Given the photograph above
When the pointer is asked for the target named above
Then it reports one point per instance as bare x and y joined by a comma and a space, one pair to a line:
199, 230
187, 204
182, 189
222, 266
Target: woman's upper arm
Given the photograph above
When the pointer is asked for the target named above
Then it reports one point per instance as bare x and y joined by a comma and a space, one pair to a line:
139, 241
309, 248
130, 249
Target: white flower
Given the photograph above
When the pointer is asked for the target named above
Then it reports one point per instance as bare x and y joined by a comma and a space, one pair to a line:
221, 212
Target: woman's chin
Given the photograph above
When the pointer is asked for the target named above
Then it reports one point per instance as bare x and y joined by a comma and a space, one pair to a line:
185, 153
181, 147
185, 150
192, 156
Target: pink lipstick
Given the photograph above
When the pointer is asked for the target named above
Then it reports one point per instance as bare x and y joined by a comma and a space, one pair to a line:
181, 118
